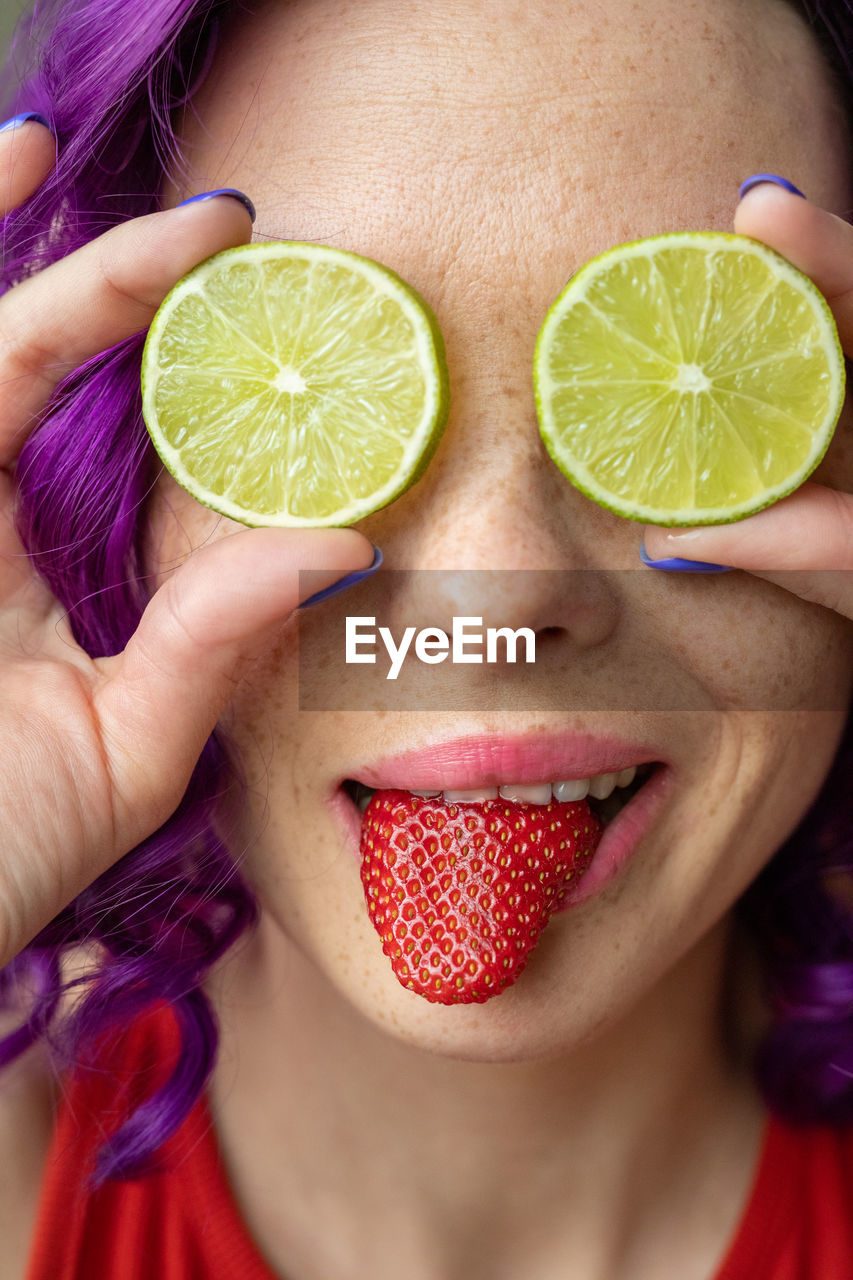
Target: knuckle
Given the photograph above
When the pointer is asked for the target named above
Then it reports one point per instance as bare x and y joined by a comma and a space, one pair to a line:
23, 355
180, 623
115, 284
97, 281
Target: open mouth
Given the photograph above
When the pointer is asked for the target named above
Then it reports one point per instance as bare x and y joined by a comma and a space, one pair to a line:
606, 794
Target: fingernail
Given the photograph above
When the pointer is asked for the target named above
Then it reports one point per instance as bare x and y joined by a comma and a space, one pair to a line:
349, 581
683, 566
224, 191
25, 118
768, 177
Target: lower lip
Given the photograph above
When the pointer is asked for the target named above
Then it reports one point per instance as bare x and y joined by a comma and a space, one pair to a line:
622, 836
616, 847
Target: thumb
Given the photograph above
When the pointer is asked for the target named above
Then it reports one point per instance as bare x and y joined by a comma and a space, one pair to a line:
162, 697
813, 239
803, 543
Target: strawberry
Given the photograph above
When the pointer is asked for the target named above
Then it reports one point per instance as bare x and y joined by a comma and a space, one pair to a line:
459, 893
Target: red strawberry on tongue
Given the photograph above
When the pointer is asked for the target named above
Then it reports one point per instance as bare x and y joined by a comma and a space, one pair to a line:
460, 892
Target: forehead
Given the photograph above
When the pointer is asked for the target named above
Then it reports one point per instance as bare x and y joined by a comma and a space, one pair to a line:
492, 133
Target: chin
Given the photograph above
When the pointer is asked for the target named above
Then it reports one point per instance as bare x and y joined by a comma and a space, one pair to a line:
529, 1021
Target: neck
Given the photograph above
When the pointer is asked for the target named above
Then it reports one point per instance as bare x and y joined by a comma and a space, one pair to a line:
322, 1117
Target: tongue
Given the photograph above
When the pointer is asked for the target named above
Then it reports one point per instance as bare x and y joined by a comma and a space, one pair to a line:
459, 893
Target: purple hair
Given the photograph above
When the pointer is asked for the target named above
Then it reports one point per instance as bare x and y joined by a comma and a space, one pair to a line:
109, 75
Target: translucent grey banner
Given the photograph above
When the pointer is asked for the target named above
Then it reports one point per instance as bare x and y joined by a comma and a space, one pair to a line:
575, 640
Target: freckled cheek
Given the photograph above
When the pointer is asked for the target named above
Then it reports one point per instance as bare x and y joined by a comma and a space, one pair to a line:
276, 821
262, 720
291, 849
756, 647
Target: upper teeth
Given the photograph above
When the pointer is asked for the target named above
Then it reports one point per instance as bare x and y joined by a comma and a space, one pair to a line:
600, 787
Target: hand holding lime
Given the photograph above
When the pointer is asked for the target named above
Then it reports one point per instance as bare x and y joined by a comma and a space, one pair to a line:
688, 379
294, 384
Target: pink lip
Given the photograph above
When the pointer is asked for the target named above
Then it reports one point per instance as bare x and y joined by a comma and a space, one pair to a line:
465, 763
622, 835
615, 849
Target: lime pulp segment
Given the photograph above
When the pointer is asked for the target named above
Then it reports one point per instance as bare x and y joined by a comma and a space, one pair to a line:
690, 378
294, 384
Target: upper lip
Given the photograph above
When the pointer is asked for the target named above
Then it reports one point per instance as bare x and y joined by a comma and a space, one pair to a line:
491, 759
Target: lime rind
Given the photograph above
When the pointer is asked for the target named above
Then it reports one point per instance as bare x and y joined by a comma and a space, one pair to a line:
415, 442
652, 362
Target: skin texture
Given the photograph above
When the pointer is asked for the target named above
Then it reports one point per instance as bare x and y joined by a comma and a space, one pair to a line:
489, 263
485, 153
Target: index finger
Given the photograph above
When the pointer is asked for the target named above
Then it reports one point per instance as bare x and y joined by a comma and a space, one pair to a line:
816, 241
27, 155
95, 298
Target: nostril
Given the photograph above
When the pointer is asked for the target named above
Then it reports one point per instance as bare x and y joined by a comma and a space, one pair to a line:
548, 633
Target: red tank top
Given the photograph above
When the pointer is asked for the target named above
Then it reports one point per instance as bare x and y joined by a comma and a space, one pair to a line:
183, 1223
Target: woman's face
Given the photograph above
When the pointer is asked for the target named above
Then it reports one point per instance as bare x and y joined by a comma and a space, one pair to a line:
485, 151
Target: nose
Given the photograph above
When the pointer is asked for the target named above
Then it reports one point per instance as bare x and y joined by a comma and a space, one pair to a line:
494, 531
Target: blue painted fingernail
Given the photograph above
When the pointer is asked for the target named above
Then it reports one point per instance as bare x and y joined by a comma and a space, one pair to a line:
224, 191
768, 177
349, 581
24, 118
683, 566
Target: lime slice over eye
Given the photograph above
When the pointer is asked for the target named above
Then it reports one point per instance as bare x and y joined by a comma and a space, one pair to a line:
690, 378
294, 384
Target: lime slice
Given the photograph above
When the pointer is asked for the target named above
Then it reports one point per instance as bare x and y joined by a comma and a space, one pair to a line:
294, 384
690, 378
